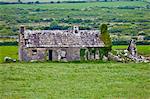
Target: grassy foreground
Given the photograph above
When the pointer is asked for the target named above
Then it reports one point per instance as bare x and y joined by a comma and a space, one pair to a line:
74, 80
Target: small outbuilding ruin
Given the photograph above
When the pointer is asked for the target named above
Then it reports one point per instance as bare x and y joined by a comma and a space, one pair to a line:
59, 45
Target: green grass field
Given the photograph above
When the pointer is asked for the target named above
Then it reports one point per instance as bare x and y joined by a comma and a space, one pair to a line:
42, 0
12, 51
77, 5
92, 80
142, 49
74, 81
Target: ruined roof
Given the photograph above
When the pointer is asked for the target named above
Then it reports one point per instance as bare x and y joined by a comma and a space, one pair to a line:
63, 38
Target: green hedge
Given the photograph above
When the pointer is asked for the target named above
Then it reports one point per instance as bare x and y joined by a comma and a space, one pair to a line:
127, 43
8, 43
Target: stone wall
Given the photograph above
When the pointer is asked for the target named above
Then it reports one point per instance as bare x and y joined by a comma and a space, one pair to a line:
58, 54
65, 54
62, 45
33, 54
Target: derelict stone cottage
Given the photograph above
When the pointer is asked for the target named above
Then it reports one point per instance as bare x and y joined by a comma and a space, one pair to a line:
59, 45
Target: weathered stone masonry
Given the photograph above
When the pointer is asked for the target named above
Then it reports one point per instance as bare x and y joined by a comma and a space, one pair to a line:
59, 45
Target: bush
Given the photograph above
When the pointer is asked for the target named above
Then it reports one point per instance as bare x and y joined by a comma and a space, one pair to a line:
147, 38
105, 37
120, 42
143, 43
54, 26
104, 51
8, 43
74, 1
37, 2
82, 53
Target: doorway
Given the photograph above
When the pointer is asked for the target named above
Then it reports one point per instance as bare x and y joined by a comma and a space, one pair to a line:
50, 55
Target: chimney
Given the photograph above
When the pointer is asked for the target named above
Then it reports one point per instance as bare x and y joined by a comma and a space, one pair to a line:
76, 29
19, 1
22, 29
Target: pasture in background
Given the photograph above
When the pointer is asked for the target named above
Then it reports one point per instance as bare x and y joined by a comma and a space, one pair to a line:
126, 20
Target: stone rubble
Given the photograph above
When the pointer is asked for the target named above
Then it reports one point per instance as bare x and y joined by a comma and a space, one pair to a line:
128, 55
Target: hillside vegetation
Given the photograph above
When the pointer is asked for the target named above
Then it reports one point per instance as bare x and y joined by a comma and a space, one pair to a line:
123, 18
36, 0
58, 0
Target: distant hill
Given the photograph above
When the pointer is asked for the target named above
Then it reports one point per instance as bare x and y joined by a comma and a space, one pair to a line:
37, 0
63, 0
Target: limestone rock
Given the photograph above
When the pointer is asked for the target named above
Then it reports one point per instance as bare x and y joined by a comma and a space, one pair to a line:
133, 53
9, 59
114, 57
105, 58
132, 48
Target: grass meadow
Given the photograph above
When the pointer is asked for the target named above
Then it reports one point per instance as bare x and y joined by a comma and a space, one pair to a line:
74, 81
76, 5
142, 49
92, 80
10, 51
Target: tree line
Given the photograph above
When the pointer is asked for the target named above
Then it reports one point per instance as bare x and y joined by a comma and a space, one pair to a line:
39, 2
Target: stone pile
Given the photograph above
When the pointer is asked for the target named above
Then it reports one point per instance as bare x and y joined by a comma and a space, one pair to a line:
9, 59
128, 55
132, 50
116, 58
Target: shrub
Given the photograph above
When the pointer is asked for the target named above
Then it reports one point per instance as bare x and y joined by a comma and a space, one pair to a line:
120, 42
147, 38
8, 43
37, 2
82, 53
54, 25
104, 52
105, 37
143, 43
